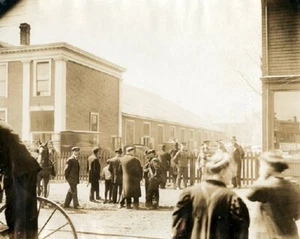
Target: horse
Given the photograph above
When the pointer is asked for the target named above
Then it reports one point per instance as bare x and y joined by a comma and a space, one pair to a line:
44, 174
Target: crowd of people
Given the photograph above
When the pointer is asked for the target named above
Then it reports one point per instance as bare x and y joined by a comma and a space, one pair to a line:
209, 209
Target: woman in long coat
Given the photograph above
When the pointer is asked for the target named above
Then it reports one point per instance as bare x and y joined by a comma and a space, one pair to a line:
132, 175
279, 199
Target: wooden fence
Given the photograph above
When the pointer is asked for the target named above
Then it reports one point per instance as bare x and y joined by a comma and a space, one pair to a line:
83, 157
249, 166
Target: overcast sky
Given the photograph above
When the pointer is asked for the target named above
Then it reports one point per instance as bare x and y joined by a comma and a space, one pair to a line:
195, 53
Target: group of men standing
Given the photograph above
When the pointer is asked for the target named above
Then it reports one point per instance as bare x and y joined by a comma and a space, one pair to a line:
127, 172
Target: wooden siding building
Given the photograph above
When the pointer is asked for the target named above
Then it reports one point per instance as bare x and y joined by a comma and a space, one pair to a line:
280, 67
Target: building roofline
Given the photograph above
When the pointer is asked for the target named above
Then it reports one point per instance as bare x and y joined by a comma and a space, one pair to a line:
61, 46
173, 123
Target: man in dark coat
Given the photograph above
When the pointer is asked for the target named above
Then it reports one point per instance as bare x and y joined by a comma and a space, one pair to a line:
165, 159
203, 157
93, 169
238, 155
72, 176
153, 170
20, 170
210, 210
173, 168
116, 172
132, 175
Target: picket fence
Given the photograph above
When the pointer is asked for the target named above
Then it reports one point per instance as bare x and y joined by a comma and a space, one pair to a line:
249, 166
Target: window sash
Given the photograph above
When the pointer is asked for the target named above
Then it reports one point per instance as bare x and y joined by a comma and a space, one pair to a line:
42, 78
3, 80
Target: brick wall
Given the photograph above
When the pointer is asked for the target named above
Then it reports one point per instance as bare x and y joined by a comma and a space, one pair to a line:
88, 91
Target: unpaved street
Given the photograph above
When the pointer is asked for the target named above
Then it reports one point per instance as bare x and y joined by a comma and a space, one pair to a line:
97, 220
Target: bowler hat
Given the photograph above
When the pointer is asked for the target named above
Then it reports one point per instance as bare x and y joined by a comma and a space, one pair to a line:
76, 149
206, 141
275, 160
119, 150
233, 139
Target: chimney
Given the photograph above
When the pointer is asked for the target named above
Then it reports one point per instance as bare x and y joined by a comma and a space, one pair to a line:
24, 34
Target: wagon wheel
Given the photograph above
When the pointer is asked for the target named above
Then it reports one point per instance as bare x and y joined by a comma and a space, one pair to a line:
53, 221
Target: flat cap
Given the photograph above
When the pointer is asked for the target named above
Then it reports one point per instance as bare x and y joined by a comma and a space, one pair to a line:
129, 149
76, 149
149, 151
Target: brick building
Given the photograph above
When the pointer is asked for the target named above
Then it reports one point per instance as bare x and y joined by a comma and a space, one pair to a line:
61, 93
152, 121
57, 91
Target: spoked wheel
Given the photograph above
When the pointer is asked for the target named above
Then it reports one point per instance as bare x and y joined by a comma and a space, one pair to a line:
53, 221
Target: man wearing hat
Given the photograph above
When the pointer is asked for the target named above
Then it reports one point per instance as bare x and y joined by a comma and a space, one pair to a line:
181, 161
221, 145
203, 156
153, 171
173, 168
238, 155
165, 159
94, 169
72, 176
116, 172
132, 175
210, 209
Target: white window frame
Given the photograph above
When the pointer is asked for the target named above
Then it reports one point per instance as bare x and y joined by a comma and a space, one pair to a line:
6, 80
163, 133
174, 131
94, 114
5, 112
148, 123
132, 121
35, 78
193, 133
184, 138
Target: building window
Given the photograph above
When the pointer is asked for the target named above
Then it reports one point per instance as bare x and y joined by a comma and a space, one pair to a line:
146, 129
129, 133
94, 122
182, 135
199, 138
3, 114
42, 81
172, 132
3, 80
160, 134
192, 132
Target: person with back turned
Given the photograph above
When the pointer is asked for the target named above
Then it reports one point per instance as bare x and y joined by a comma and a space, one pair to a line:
19, 170
210, 210
93, 169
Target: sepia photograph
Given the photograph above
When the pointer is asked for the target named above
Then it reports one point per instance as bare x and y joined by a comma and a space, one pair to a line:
149, 119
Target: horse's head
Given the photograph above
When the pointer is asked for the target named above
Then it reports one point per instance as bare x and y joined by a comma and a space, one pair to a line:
43, 158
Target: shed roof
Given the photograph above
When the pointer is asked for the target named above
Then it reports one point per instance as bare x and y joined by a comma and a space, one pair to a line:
138, 102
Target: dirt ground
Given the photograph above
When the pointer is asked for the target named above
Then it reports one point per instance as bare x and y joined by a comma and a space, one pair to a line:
98, 220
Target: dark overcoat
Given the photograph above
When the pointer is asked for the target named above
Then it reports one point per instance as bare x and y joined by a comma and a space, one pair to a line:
132, 175
93, 168
210, 211
165, 159
115, 169
72, 170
